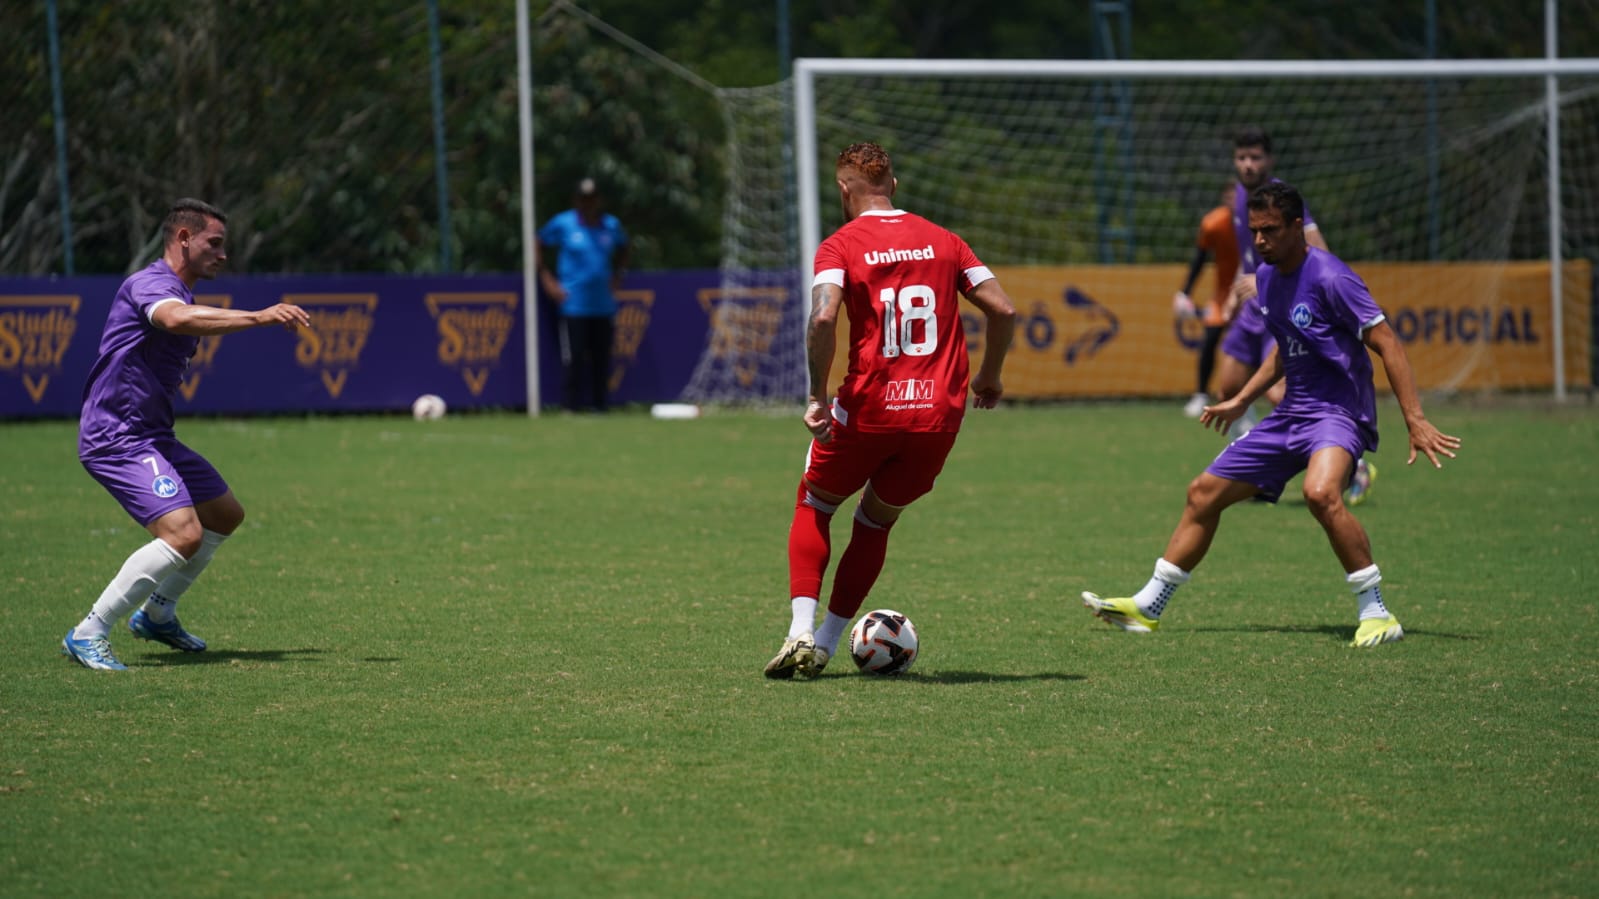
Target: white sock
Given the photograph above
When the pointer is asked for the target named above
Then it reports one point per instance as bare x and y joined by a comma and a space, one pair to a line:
162, 606
1153, 598
804, 616
1366, 584
831, 631
148, 566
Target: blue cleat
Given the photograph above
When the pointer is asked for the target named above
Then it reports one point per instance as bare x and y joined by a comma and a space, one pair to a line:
171, 633
90, 652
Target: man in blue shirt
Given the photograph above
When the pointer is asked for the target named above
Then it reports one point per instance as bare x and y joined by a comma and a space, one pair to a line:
590, 254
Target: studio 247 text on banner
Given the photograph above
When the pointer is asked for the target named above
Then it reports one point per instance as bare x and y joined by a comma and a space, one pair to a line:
1108, 331
376, 343
1089, 331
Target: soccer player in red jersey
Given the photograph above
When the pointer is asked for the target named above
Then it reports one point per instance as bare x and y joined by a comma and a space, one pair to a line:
894, 420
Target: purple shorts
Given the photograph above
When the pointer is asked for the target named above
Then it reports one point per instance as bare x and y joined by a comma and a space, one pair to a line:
1281, 446
157, 478
1248, 340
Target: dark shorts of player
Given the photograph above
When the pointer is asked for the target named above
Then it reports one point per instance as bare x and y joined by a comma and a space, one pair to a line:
1248, 347
1281, 446
156, 478
900, 466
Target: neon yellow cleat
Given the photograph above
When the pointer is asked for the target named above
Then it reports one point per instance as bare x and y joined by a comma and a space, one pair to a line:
1376, 631
1122, 612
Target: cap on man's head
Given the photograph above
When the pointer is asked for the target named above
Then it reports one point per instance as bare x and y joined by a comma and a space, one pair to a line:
587, 188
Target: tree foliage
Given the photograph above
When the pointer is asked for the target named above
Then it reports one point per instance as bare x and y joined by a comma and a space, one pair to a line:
312, 124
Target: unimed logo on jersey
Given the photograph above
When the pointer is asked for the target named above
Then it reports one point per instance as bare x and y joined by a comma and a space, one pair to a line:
35, 332
884, 257
473, 331
340, 326
912, 390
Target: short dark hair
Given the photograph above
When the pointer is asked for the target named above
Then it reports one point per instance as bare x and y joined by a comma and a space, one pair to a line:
1252, 137
1282, 197
189, 213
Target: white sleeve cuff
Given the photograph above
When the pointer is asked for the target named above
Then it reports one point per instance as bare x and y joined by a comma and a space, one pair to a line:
150, 312
833, 276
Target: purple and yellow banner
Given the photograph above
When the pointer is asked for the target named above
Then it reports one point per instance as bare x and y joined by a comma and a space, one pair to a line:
376, 343
1088, 331
1108, 331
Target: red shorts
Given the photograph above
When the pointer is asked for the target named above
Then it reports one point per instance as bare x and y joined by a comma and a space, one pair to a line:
901, 466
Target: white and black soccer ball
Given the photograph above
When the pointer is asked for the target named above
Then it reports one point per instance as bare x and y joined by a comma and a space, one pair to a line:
428, 407
883, 642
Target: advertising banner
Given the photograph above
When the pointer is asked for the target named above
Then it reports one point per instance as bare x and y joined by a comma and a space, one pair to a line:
376, 343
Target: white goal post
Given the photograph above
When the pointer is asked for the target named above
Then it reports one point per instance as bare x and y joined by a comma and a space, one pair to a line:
1171, 115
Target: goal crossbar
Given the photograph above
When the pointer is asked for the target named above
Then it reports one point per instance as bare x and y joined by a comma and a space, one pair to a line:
807, 70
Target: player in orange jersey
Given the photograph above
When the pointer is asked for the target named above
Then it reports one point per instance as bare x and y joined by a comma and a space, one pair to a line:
1216, 239
891, 426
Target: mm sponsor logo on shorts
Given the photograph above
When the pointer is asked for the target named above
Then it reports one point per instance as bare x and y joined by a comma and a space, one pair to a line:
164, 487
912, 390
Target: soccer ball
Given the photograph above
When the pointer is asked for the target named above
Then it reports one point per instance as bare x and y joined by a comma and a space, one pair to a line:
427, 407
883, 642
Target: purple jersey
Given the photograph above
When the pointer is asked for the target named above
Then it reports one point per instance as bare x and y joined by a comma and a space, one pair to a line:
1318, 314
128, 398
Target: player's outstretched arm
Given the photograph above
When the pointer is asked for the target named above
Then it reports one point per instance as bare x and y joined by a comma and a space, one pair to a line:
197, 320
1000, 328
1424, 438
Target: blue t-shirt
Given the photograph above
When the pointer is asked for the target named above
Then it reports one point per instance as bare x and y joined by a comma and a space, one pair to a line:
583, 265
128, 397
1319, 313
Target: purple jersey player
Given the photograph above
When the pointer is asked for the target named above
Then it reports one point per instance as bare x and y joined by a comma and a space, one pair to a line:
1324, 321
1247, 342
126, 441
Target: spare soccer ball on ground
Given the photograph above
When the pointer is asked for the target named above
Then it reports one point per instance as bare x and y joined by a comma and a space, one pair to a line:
883, 642
427, 407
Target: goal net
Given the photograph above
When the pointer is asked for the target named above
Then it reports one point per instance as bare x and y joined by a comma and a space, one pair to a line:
1083, 186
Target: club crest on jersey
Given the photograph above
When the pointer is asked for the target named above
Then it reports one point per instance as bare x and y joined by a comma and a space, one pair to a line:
911, 390
884, 257
1301, 316
164, 487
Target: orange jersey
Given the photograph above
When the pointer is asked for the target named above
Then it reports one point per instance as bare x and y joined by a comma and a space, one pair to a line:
1218, 238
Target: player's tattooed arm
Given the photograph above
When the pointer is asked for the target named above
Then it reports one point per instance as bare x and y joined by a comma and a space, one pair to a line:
821, 337
821, 341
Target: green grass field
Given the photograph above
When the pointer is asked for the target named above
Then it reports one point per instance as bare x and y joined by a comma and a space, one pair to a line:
499, 656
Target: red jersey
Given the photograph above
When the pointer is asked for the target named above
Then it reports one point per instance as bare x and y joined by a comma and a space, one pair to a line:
902, 276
